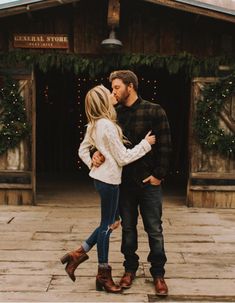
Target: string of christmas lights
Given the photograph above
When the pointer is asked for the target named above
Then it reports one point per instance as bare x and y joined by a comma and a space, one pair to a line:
46, 93
83, 85
151, 86
81, 121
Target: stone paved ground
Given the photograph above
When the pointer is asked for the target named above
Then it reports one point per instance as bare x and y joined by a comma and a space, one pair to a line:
200, 245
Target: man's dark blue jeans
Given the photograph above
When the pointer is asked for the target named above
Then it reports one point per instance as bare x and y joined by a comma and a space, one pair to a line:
109, 195
148, 199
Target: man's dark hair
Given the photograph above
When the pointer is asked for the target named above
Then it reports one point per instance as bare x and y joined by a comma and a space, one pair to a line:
127, 77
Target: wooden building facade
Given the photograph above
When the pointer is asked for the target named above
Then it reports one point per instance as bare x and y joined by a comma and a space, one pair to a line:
54, 95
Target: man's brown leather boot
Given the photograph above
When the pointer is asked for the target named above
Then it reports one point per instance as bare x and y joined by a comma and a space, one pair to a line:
73, 259
127, 279
160, 286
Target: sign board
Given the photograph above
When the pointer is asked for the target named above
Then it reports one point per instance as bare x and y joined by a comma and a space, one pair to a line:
40, 41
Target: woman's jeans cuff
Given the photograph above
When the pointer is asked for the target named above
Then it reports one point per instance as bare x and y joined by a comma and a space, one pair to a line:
85, 246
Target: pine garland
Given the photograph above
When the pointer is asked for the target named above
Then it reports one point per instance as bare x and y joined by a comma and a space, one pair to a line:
13, 121
94, 66
209, 134
206, 124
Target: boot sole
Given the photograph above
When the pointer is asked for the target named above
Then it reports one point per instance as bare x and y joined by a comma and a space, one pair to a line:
161, 295
125, 287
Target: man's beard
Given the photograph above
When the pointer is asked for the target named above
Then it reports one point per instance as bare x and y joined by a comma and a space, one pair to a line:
124, 96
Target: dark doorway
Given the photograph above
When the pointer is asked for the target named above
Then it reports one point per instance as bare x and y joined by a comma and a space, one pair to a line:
56, 125
61, 122
60, 127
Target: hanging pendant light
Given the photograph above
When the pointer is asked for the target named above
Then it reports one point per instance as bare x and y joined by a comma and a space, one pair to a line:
111, 42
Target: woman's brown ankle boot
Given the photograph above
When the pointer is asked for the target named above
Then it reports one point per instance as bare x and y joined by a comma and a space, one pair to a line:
73, 259
105, 282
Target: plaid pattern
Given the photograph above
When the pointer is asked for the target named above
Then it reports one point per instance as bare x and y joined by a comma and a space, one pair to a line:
135, 122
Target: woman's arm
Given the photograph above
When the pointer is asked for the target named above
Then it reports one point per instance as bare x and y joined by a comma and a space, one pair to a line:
121, 154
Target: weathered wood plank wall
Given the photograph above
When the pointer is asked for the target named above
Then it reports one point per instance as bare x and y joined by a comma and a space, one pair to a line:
144, 27
17, 165
211, 182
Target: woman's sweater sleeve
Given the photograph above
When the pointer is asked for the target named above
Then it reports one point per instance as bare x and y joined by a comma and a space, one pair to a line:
121, 154
84, 151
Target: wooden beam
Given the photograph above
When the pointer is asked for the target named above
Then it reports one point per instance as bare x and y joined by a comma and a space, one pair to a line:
113, 13
212, 188
15, 186
193, 9
212, 175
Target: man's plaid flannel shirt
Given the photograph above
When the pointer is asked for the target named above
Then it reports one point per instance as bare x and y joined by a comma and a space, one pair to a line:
135, 122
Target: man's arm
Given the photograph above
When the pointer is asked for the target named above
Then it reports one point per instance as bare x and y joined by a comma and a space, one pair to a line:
162, 149
96, 157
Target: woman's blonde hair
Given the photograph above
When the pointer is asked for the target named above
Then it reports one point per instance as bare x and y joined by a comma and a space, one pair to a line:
97, 106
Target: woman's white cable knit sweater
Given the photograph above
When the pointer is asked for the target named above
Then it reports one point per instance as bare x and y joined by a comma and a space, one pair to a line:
108, 142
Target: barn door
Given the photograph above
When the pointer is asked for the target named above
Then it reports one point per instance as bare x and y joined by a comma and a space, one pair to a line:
212, 177
17, 166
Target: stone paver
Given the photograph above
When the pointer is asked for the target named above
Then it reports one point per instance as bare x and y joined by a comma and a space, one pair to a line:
200, 246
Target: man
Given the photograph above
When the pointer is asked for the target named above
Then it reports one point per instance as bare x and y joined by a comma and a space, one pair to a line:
141, 180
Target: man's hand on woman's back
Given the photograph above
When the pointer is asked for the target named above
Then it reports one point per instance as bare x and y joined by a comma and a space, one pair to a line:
97, 159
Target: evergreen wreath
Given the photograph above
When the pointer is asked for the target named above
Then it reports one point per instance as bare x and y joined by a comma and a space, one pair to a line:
209, 134
13, 121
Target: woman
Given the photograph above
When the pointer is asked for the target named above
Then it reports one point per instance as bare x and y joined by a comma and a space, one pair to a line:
104, 133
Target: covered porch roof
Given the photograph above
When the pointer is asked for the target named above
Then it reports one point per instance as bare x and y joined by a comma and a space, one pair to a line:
14, 7
219, 9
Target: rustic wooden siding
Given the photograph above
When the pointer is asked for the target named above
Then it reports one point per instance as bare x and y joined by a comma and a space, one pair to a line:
213, 172
90, 26
17, 171
169, 31
144, 27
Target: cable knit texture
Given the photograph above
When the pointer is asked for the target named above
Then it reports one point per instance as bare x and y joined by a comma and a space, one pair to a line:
106, 138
